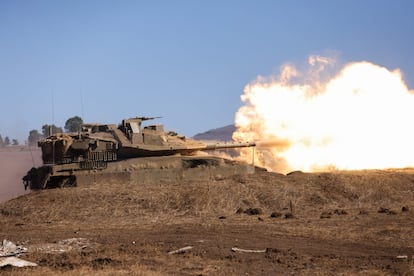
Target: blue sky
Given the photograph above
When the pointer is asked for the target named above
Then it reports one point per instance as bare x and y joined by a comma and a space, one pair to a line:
187, 61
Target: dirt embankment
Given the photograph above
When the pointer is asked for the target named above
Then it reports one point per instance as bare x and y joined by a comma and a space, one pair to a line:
14, 163
300, 224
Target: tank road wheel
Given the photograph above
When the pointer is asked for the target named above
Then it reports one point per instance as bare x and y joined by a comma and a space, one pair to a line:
69, 181
62, 181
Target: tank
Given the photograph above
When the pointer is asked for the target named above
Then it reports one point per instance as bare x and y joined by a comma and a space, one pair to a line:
66, 156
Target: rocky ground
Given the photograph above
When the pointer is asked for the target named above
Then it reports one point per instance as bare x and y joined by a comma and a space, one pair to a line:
353, 222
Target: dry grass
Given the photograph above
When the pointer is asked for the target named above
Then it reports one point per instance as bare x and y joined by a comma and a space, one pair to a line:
306, 195
136, 209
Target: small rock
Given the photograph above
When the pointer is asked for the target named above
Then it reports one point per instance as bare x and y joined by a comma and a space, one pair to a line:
260, 219
405, 209
325, 215
253, 211
275, 215
288, 216
383, 210
340, 212
240, 210
222, 217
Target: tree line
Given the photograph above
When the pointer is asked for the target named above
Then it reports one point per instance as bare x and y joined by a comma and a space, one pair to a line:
6, 141
72, 124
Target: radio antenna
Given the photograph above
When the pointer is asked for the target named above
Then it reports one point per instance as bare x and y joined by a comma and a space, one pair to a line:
81, 99
51, 127
53, 112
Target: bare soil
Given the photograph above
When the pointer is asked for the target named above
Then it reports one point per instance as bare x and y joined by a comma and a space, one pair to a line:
342, 222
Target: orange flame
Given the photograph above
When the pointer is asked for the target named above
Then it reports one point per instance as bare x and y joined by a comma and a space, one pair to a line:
359, 119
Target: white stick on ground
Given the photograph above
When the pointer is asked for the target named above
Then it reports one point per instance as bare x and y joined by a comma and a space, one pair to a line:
235, 249
181, 250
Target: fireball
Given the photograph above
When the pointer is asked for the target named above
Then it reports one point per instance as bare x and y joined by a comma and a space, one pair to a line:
359, 118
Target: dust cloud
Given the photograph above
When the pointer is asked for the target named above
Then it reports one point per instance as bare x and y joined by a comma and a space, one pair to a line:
14, 164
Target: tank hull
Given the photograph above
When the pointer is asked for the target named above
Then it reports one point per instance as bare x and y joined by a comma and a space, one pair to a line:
136, 170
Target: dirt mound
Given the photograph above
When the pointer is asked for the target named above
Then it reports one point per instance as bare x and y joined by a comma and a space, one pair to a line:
312, 223
304, 194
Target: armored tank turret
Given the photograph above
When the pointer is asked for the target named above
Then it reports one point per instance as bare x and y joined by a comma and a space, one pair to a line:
66, 155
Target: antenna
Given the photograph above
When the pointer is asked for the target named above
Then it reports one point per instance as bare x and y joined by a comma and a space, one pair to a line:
81, 99
51, 127
53, 112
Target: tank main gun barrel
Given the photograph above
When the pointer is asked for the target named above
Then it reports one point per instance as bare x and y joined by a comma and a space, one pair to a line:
229, 145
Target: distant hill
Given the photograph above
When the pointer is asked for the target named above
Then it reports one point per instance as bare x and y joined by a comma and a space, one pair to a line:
217, 134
